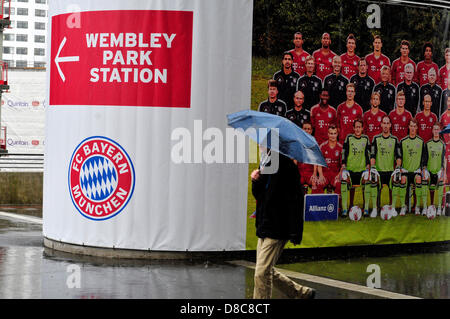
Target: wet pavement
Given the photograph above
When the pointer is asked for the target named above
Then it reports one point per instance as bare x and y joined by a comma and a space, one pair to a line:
27, 270
422, 275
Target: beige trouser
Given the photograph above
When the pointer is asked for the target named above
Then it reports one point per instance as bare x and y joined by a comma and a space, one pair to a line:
267, 253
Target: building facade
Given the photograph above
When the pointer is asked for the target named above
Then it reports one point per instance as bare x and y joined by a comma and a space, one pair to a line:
25, 42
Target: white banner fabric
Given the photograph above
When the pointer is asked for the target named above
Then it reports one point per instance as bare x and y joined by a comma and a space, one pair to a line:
109, 178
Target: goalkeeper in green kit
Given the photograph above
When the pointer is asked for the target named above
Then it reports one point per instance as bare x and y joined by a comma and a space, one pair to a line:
435, 164
412, 149
355, 159
385, 156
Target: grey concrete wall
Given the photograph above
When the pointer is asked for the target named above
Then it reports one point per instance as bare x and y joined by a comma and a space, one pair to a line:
18, 188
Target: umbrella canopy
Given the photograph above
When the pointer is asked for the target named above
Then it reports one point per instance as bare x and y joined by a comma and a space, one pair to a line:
446, 129
293, 142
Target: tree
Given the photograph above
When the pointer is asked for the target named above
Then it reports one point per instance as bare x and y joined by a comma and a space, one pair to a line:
275, 23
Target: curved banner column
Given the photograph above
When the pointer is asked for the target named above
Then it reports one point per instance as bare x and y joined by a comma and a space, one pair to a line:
132, 88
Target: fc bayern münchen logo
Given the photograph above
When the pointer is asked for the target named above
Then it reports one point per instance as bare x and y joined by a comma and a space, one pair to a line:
101, 178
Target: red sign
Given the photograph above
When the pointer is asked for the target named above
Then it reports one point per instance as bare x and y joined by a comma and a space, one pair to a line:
123, 57
35, 103
35, 142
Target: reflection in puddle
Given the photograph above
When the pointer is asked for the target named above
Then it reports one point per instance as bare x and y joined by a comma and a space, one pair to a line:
422, 275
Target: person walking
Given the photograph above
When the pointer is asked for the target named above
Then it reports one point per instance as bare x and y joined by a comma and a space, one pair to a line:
279, 219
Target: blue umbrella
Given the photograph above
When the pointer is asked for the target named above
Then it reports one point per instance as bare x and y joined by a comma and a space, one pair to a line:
292, 140
445, 130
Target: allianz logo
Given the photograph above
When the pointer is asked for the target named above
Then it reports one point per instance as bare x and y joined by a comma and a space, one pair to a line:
316, 208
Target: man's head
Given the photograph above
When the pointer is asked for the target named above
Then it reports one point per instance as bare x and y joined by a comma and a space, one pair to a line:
310, 64
447, 55
298, 40
427, 102
358, 127
385, 73
273, 88
332, 133
375, 99
351, 43
299, 99
427, 51
412, 126
377, 43
362, 67
404, 48
432, 76
409, 72
326, 40
350, 91
287, 60
386, 124
400, 99
337, 63
307, 127
436, 130
325, 96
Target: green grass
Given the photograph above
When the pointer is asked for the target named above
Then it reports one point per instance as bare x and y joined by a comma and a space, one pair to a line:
262, 71
407, 229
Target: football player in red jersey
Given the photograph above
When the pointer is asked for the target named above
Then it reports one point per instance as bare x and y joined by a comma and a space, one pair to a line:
373, 118
426, 119
400, 117
324, 58
349, 59
332, 153
424, 66
376, 60
299, 54
398, 66
445, 120
322, 115
347, 113
308, 172
444, 71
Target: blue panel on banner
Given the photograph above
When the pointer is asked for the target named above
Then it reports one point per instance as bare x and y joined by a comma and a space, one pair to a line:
321, 207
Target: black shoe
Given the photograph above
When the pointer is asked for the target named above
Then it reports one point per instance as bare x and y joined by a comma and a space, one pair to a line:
311, 294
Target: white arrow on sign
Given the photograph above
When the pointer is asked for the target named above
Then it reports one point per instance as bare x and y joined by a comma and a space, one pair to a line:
64, 59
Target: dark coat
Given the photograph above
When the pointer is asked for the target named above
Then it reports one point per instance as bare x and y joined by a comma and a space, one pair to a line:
280, 203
